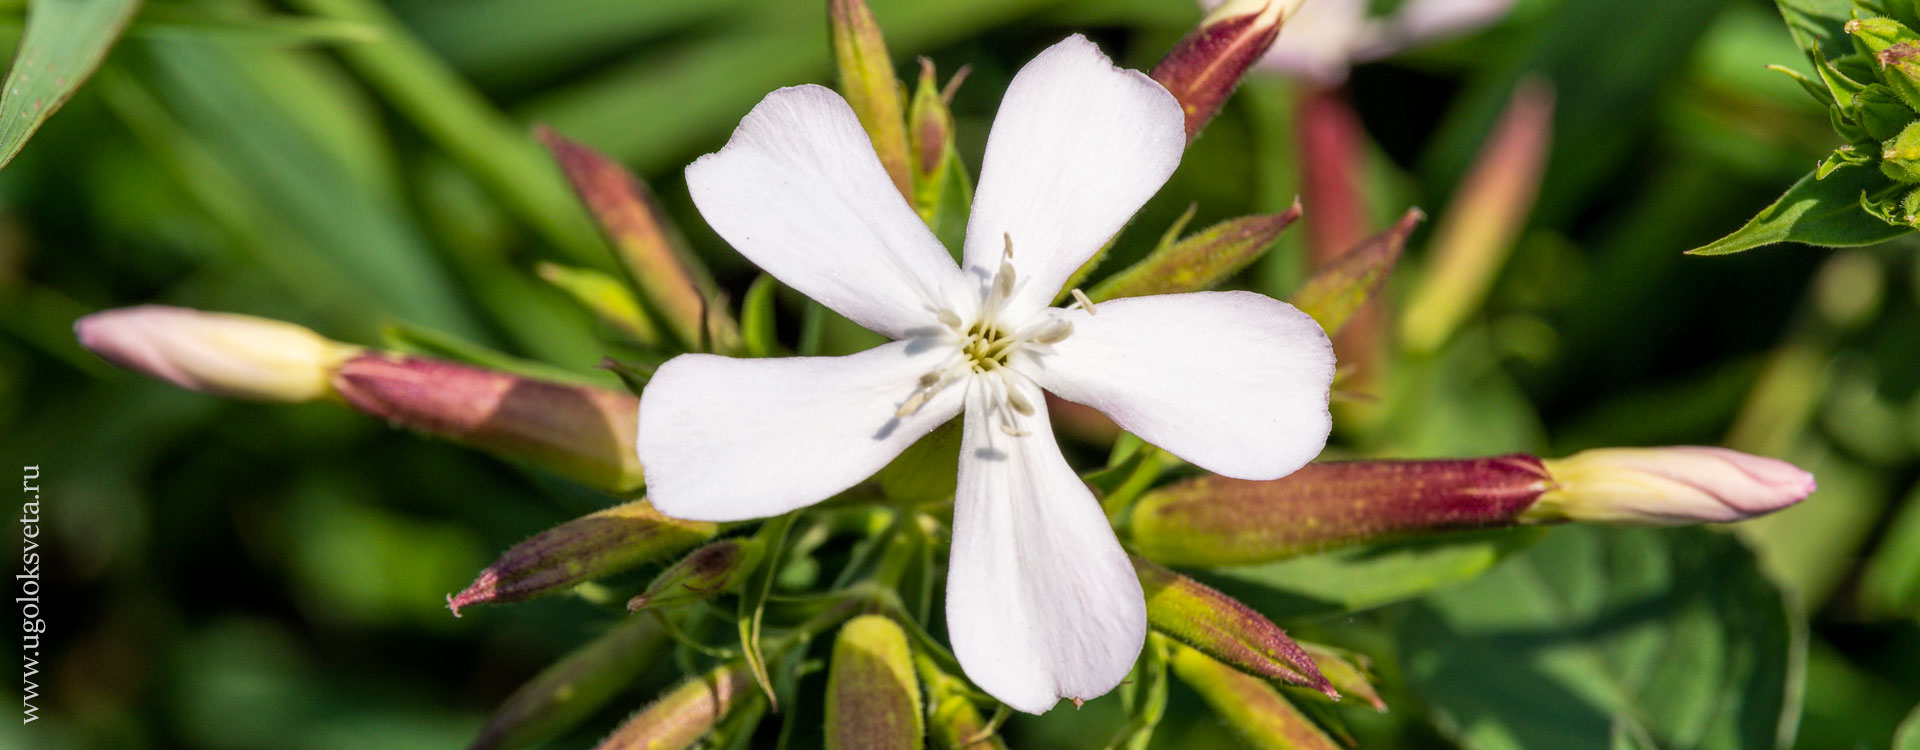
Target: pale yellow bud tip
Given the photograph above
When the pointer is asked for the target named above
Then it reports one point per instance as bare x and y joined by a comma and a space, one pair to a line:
1672, 485
1274, 11
237, 356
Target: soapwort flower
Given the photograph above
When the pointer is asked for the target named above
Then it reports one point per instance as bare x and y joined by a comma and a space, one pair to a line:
1042, 603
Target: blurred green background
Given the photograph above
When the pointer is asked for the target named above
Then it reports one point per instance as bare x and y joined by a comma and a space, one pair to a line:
228, 575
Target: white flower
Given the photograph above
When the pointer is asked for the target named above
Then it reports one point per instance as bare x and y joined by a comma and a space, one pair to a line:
1325, 37
1041, 601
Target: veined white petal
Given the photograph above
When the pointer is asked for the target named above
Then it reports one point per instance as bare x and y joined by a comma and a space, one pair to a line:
725, 439
1041, 601
1234, 382
1078, 146
799, 191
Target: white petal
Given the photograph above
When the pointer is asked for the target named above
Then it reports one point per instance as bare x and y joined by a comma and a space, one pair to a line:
799, 191
1041, 602
1076, 149
1234, 382
726, 439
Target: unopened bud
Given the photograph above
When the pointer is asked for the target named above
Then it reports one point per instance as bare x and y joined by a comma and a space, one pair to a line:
685, 714
1222, 627
1345, 283
573, 688
1900, 156
1200, 261
941, 191
1348, 672
576, 431
606, 297
1210, 521
607, 542
1206, 65
953, 721
1878, 111
1258, 712
711, 570
873, 699
868, 81
236, 356
1664, 486
675, 285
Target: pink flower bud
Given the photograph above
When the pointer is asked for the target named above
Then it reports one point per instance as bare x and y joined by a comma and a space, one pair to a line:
1673, 485
1203, 68
237, 356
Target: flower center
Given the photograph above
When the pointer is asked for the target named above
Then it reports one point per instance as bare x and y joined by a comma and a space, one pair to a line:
983, 351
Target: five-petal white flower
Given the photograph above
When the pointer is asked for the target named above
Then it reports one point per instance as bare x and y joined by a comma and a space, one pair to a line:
1041, 600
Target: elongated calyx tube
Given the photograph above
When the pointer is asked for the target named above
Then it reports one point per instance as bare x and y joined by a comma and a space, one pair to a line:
1206, 65
1222, 627
579, 432
873, 698
236, 356
686, 713
579, 550
1211, 521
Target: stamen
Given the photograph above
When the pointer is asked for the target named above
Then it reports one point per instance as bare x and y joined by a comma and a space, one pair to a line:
930, 379
1019, 403
1012, 431
1081, 297
1008, 236
1003, 281
951, 320
913, 404
1055, 333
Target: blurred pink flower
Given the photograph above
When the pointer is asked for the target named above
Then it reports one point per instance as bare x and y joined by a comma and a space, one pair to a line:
1326, 37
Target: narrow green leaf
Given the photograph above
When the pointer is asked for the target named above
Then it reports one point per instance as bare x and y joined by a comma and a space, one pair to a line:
1825, 212
1364, 577
1817, 25
1908, 737
1144, 696
1340, 288
64, 42
225, 24
753, 601
428, 342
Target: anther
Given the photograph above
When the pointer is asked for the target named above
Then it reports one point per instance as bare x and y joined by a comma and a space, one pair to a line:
1081, 297
1013, 431
1003, 281
929, 380
1019, 403
1008, 236
951, 320
1055, 333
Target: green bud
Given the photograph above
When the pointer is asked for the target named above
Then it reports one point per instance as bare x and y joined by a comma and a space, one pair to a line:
573, 688
685, 714
705, 572
1224, 628
1879, 112
607, 542
1344, 284
1900, 155
1200, 261
942, 193
1250, 705
868, 81
1349, 672
606, 297
1894, 47
953, 721
873, 700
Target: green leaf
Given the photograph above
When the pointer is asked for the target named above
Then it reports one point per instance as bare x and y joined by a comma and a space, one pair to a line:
1825, 212
1360, 578
1818, 25
1891, 583
1607, 638
1909, 736
64, 42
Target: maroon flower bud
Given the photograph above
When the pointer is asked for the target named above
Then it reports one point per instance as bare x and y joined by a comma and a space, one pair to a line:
1225, 629
705, 572
576, 431
1204, 67
579, 550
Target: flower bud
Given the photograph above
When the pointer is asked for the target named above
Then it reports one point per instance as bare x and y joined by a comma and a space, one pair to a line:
579, 432
573, 688
1206, 65
1472, 240
1344, 284
868, 80
1250, 705
705, 572
1879, 112
941, 191
236, 356
873, 699
1201, 261
606, 297
1224, 628
685, 714
675, 285
582, 549
1900, 155
1348, 672
1664, 486
1209, 520
953, 721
